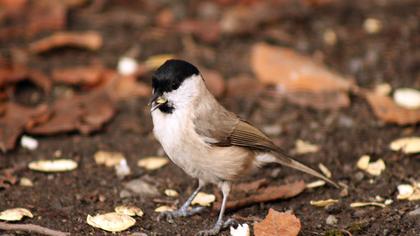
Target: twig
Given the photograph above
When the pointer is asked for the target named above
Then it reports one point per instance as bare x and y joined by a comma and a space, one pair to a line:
31, 228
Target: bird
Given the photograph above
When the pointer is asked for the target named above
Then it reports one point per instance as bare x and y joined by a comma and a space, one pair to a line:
206, 140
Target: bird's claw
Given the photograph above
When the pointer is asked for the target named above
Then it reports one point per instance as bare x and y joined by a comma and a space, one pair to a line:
181, 212
217, 228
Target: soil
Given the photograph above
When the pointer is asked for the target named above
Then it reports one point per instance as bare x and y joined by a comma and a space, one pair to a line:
63, 200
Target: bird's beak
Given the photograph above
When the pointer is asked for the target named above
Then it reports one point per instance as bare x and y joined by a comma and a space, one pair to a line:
156, 101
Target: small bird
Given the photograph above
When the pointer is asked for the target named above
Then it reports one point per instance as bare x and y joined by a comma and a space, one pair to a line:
204, 139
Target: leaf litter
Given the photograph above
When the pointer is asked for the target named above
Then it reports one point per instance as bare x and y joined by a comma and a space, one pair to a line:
278, 223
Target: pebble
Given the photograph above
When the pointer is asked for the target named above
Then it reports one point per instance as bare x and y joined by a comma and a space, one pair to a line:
415, 212
331, 220
141, 187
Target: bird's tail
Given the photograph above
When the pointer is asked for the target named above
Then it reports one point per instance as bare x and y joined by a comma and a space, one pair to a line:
284, 159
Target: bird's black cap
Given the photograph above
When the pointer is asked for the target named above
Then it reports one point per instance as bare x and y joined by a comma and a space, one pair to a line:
171, 74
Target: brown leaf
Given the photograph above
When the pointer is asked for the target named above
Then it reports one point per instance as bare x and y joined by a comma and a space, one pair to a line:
278, 224
243, 86
87, 76
266, 194
121, 87
208, 31
17, 73
299, 78
88, 40
214, 82
85, 113
386, 110
14, 119
40, 15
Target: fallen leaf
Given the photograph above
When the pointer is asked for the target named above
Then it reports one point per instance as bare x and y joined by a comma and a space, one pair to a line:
15, 214
214, 82
316, 184
206, 30
88, 40
299, 78
388, 111
129, 210
241, 230
86, 76
58, 165
10, 75
323, 203
278, 223
373, 168
407, 97
243, 86
85, 113
408, 145
153, 163
325, 170
15, 119
121, 87
302, 147
108, 159
164, 209
113, 222
264, 194
39, 16
171, 193
203, 199
155, 61
363, 204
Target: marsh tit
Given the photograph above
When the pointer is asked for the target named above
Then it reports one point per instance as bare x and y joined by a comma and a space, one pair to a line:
204, 139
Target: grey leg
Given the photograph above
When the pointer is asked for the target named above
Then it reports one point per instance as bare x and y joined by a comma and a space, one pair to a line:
225, 186
183, 211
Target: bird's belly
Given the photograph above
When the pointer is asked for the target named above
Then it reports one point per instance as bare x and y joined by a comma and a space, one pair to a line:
198, 159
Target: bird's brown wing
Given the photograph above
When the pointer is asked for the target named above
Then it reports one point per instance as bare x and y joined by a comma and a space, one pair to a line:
226, 129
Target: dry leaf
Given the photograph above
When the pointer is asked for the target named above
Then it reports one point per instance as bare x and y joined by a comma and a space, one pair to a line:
302, 147
408, 145
108, 159
129, 210
299, 78
89, 40
164, 209
208, 30
155, 61
323, 203
241, 230
214, 82
407, 97
243, 86
113, 222
15, 214
171, 193
10, 75
278, 223
315, 184
388, 111
203, 199
14, 119
325, 170
261, 194
58, 165
363, 204
152, 163
87, 76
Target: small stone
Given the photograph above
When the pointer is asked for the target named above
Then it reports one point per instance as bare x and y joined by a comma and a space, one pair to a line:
28, 142
331, 220
26, 182
122, 169
142, 187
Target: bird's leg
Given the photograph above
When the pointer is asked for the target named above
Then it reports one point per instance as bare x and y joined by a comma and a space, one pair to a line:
184, 210
225, 186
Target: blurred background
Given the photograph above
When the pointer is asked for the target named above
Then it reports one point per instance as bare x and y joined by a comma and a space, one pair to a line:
328, 80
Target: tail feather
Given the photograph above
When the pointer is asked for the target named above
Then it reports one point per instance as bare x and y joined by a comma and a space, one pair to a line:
287, 160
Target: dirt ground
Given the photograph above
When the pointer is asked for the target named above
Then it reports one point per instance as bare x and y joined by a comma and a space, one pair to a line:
63, 200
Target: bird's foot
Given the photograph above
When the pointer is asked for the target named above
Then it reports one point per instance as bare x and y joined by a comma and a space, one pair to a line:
220, 225
181, 212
